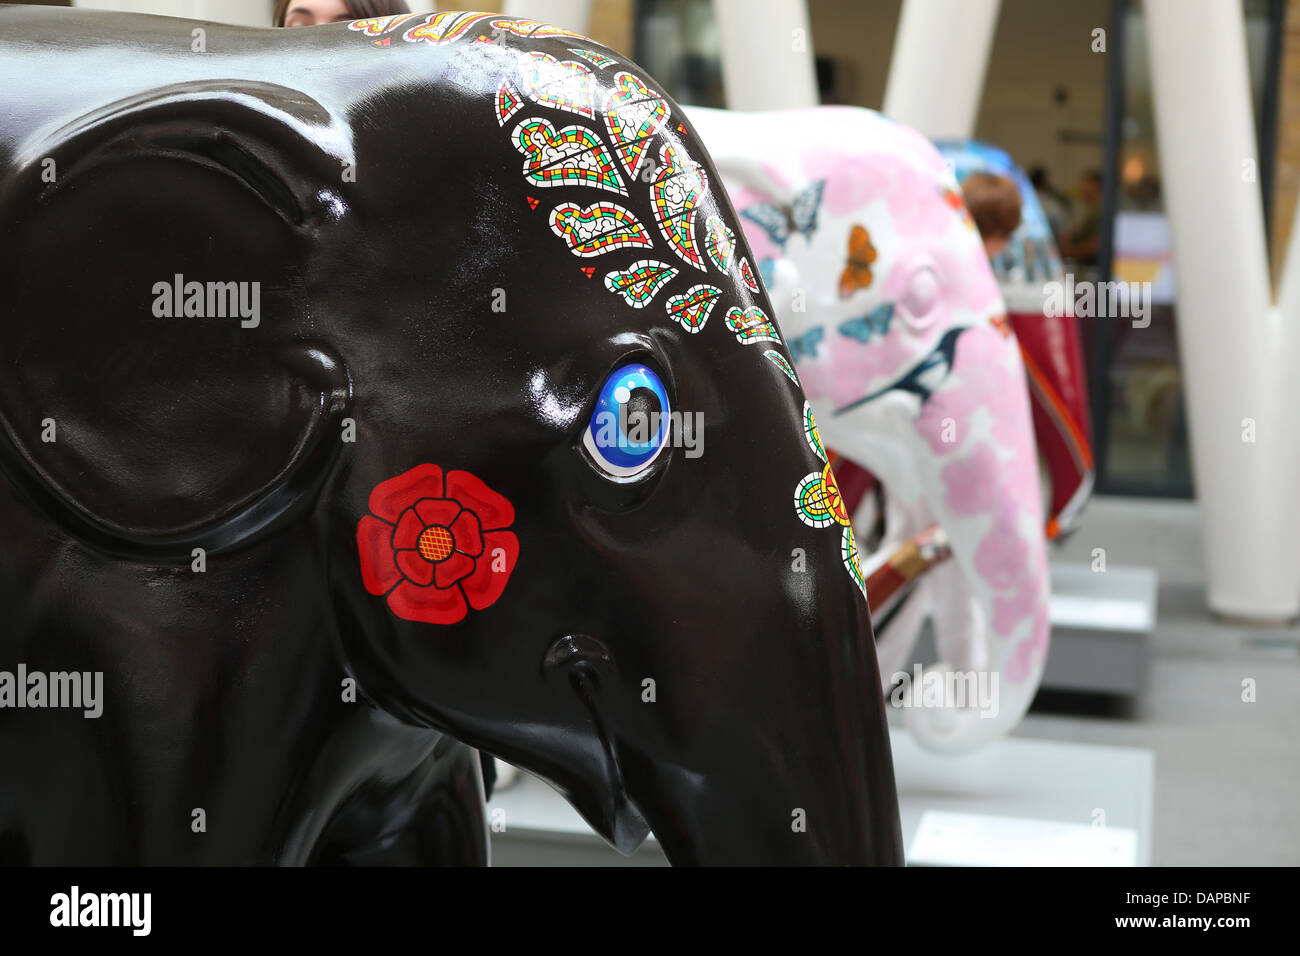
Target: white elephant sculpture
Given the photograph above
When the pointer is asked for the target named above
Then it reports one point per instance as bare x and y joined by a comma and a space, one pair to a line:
889, 307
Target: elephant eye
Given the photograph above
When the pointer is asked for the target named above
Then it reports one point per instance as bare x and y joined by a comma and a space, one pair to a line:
919, 298
629, 427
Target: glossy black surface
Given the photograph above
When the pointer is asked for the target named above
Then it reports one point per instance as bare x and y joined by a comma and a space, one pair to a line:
223, 690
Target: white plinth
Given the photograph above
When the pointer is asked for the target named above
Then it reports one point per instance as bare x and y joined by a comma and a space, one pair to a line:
1016, 802
1101, 628
1025, 802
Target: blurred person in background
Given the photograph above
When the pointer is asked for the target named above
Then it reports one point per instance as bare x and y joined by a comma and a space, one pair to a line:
309, 13
1082, 242
1056, 205
994, 204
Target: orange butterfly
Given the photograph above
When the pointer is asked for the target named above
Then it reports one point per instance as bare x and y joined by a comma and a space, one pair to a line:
857, 270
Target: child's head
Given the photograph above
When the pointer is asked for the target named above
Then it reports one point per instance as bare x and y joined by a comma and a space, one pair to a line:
994, 204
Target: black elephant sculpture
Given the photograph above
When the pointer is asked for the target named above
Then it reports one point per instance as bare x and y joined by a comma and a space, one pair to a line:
384, 390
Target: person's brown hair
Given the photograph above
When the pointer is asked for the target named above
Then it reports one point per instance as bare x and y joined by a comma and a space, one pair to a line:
994, 204
357, 9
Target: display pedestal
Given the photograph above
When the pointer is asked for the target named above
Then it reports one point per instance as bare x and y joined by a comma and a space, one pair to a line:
1016, 802
1101, 628
1022, 802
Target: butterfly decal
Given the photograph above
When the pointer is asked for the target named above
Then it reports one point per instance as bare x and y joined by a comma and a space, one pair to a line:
857, 267
781, 222
867, 327
805, 346
954, 199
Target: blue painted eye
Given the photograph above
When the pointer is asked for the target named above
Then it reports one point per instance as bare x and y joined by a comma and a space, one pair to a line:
629, 427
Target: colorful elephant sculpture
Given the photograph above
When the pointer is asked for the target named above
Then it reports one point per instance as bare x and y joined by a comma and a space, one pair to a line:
898, 332
1050, 343
361, 406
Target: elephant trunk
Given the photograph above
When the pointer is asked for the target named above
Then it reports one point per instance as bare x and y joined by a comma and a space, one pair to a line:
790, 762
989, 604
977, 706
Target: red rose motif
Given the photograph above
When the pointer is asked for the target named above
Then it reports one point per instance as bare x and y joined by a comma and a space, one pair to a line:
433, 546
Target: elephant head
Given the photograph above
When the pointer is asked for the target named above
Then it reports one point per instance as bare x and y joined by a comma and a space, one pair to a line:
898, 332
419, 354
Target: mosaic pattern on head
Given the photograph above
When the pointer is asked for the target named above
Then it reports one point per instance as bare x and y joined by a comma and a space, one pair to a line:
849, 555
451, 25
818, 501
572, 156
634, 114
561, 84
719, 243
751, 325
640, 281
811, 434
595, 59
374, 26
599, 228
679, 187
692, 308
779, 361
509, 102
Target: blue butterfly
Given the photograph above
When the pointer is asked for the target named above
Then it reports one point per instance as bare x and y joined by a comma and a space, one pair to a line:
805, 346
865, 328
767, 271
780, 222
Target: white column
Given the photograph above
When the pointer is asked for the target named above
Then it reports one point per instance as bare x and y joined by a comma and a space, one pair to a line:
572, 15
936, 74
767, 54
1239, 353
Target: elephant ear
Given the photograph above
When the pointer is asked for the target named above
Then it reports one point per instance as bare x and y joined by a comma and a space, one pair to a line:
143, 432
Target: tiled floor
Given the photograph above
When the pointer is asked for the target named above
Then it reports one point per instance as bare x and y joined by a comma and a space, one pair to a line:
1227, 770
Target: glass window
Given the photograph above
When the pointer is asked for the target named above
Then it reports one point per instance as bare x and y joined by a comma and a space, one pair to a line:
1140, 417
677, 43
